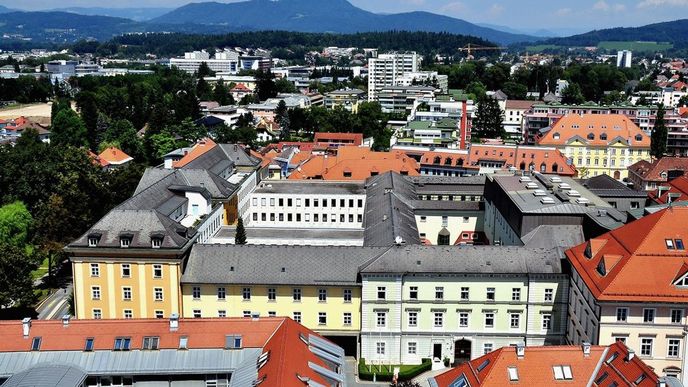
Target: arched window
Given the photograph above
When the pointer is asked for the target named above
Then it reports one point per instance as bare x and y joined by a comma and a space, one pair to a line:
459, 162
603, 136
522, 166
447, 161
543, 167
443, 237
638, 137
531, 166
437, 160
591, 136
555, 167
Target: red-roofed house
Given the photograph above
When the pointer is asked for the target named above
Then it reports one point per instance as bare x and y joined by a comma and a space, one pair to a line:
229, 352
613, 365
631, 284
648, 176
673, 191
113, 157
339, 139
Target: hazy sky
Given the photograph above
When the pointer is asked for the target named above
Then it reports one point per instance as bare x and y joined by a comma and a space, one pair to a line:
530, 14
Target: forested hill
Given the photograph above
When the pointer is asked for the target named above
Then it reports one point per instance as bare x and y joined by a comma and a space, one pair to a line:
286, 45
675, 32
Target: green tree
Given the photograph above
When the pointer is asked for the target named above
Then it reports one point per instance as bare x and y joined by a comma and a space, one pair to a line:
15, 224
281, 111
283, 85
68, 129
515, 90
203, 90
88, 108
162, 144
123, 135
204, 71
658, 137
265, 85
488, 120
221, 94
572, 95
240, 236
16, 282
683, 101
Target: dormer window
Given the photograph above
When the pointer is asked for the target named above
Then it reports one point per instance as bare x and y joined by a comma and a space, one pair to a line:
556, 136
603, 136
591, 136
93, 239
156, 241
124, 242
638, 137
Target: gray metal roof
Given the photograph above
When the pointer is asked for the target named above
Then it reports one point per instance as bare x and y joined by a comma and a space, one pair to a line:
291, 233
310, 187
47, 375
218, 187
606, 186
445, 205
466, 259
161, 362
553, 236
257, 264
238, 155
388, 212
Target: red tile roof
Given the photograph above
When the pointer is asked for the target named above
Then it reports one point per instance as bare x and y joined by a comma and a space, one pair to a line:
348, 138
196, 151
517, 104
615, 267
652, 171
615, 126
677, 188
114, 156
535, 368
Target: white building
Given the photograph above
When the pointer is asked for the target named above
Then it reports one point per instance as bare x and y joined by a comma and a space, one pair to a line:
224, 61
623, 58
386, 68
424, 78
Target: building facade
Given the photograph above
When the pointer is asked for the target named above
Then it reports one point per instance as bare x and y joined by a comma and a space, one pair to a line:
384, 69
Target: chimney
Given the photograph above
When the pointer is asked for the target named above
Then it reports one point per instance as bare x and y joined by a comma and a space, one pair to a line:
586, 348
631, 355
65, 320
26, 326
520, 350
661, 383
174, 322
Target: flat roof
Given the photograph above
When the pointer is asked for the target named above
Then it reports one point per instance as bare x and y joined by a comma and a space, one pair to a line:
310, 187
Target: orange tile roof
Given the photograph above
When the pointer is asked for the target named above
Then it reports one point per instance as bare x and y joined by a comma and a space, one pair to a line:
616, 265
196, 151
575, 126
350, 138
264, 159
535, 368
678, 188
360, 162
114, 156
652, 171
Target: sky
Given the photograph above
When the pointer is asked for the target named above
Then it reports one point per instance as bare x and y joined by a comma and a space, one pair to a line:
519, 14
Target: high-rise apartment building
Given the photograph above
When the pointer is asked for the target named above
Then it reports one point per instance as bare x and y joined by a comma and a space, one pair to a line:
386, 68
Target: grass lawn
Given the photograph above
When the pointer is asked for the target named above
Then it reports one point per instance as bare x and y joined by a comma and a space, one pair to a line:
41, 271
635, 46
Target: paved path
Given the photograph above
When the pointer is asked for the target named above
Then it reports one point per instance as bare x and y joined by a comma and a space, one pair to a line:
422, 379
350, 369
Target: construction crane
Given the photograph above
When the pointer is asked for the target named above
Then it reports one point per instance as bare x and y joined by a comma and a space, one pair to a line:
471, 47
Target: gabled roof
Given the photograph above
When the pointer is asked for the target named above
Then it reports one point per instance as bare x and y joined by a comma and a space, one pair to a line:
388, 211
676, 189
626, 253
653, 171
354, 138
603, 366
114, 156
516, 104
606, 186
614, 126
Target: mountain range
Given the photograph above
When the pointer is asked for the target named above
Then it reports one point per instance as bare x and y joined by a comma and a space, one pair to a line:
136, 14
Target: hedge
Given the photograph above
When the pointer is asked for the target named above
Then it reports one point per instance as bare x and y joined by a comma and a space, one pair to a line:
405, 373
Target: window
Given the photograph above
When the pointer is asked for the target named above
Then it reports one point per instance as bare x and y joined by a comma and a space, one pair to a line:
272, 314
222, 313
196, 292
669, 244
88, 346
412, 319
289, 202
679, 244
413, 292
439, 293
36, 344
342, 203
272, 202
381, 319
562, 372
360, 203
513, 374
380, 348
122, 343
151, 343
322, 318
445, 221
463, 319
159, 314
297, 317
156, 243
126, 293
126, 270
97, 314
621, 314
246, 294
197, 313
347, 318
124, 242
95, 270
322, 295
465, 295
95, 292
157, 293
296, 295
546, 322
646, 346
516, 294
333, 203
184, 342
649, 315
549, 295
515, 320
487, 348
439, 319
673, 347
381, 292
233, 342
92, 241
272, 294
157, 271
489, 320
281, 202
490, 294
221, 293
347, 295
676, 316
412, 347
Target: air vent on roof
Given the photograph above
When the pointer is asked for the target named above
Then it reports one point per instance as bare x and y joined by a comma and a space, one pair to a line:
564, 186
539, 192
531, 186
524, 179
574, 193
547, 200
582, 201
555, 179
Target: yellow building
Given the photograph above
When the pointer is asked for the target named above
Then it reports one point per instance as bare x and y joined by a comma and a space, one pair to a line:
316, 286
599, 143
